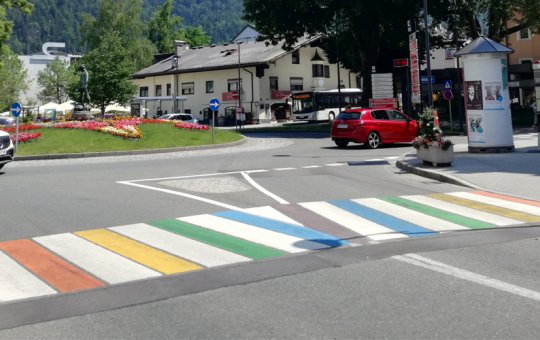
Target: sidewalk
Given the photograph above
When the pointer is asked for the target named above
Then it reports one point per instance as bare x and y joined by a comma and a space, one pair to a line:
516, 173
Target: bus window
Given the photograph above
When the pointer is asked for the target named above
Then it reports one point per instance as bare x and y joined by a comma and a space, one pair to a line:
303, 103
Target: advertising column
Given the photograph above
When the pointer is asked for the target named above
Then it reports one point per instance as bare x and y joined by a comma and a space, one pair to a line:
487, 99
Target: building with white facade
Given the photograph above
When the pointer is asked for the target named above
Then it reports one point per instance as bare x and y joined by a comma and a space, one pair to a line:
256, 76
38, 62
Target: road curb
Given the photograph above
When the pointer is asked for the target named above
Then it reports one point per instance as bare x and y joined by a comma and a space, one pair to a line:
129, 152
435, 175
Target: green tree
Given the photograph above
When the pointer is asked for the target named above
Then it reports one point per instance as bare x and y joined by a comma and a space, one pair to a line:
165, 27
368, 33
493, 18
110, 67
12, 78
6, 26
124, 18
54, 80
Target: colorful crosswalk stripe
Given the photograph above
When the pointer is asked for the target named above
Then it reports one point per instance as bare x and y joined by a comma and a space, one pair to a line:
497, 220
272, 213
467, 222
50, 268
220, 240
104, 264
410, 215
507, 198
521, 207
316, 221
17, 283
352, 221
268, 238
136, 251
399, 225
281, 227
180, 246
517, 216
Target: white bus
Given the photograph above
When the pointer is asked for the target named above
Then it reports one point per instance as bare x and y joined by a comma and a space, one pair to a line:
323, 105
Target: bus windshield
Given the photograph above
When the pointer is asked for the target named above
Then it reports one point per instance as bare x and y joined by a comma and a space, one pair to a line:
303, 103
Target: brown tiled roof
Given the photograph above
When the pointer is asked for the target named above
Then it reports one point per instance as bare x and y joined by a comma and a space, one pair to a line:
218, 57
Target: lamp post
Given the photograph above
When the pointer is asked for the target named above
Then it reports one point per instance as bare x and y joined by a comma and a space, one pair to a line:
337, 62
428, 56
175, 89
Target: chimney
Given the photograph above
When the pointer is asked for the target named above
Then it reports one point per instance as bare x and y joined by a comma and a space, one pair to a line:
179, 46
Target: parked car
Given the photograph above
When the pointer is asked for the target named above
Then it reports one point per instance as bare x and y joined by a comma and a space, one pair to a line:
373, 127
6, 149
7, 121
184, 117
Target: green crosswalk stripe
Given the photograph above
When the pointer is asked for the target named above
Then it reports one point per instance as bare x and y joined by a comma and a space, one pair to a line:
230, 243
438, 213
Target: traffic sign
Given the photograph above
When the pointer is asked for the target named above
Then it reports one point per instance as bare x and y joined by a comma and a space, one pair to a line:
16, 109
234, 94
214, 104
447, 94
448, 85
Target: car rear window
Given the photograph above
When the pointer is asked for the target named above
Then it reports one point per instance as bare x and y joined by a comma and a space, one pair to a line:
349, 115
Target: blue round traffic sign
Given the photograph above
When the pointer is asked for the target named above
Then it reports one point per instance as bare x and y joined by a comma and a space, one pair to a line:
16, 109
214, 104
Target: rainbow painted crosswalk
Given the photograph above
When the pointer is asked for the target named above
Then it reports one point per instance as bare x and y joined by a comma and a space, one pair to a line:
91, 259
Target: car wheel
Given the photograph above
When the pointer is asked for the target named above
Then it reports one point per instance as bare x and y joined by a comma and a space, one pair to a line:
331, 116
373, 140
341, 143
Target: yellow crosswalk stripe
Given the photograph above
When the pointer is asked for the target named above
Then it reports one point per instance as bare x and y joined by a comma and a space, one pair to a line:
509, 213
138, 252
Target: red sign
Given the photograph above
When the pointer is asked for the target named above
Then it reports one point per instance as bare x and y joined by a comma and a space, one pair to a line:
414, 63
415, 76
388, 103
229, 96
416, 88
413, 45
280, 94
401, 62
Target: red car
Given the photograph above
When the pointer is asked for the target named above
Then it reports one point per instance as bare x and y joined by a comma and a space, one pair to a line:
373, 127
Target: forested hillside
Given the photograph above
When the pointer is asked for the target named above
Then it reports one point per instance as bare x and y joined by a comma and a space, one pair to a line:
59, 20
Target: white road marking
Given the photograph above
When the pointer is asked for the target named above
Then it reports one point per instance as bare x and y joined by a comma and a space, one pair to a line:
179, 245
440, 267
251, 233
529, 209
18, 283
271, 213
415, 217
178, 193
184, 177
464, 211
335, 164
311, 166
263, 190
375, 160
352, 221
283, 169
101, 262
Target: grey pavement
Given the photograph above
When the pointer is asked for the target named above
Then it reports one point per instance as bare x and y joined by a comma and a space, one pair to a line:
515, 173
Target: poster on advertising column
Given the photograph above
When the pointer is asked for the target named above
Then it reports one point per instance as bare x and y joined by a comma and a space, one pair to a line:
474, 95
476, 129
493, 99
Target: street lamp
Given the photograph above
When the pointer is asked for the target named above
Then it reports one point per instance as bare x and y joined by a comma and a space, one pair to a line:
428, 56
175, 89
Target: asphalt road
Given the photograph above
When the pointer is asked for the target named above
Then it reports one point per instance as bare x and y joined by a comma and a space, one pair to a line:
481, 284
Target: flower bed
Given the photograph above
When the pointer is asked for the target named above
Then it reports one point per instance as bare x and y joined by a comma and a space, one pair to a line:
191, 126
125, 128
429, 133
26, 137
22, 127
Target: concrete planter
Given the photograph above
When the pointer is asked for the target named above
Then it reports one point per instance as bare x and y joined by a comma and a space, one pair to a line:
436, 156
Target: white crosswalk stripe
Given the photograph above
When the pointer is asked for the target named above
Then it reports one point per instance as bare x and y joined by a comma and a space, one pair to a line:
529, 209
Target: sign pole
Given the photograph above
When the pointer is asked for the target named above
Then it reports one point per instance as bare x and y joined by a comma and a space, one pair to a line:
17, 133
213, 125
450, 111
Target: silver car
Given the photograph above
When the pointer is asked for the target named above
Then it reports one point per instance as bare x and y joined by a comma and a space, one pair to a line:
6, 149
184, 117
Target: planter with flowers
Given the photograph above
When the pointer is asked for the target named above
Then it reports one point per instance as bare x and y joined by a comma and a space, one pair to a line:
431, 145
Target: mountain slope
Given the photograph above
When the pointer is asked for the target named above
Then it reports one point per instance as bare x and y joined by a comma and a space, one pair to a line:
59, 20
